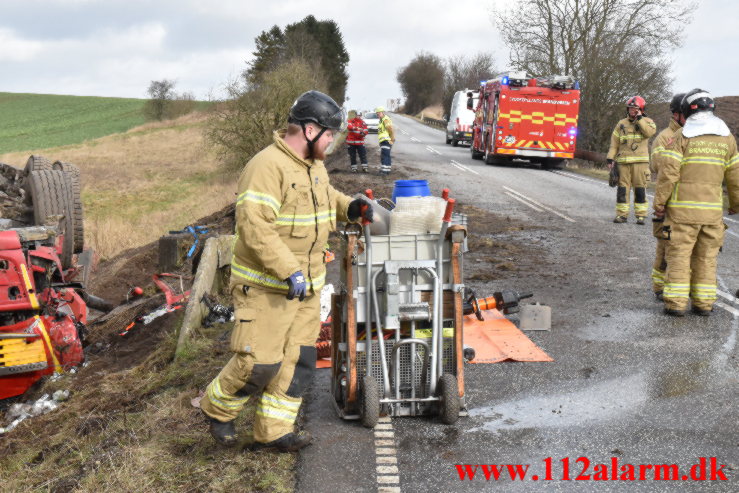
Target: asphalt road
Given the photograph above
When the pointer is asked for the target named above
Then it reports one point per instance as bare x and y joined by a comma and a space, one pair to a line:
629, 385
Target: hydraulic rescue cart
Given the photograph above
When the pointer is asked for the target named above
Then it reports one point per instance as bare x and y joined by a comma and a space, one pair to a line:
397, 324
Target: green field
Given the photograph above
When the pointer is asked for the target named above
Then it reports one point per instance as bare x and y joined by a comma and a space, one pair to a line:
39, 121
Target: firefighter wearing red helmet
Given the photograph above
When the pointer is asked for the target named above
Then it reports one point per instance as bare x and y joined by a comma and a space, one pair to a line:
689, 195
660, 142
629, 151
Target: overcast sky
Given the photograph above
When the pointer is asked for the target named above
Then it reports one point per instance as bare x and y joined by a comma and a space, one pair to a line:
116, 47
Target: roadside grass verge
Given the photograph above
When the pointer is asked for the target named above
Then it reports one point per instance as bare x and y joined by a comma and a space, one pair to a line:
136, 430
140, 184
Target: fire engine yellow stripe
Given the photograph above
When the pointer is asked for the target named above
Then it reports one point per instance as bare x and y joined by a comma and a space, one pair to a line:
515, 112
549, 145
559, 124
537, 113
45, 335
29, 287
548, 118
525, 117
571, 120
538, 122
560, 115
520, 143
515, 120
561, 147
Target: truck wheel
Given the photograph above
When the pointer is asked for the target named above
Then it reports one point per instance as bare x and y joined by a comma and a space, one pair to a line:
448, 393
448, 140
51, 196
490, 158
72, 173
370, 402
36, 163
553, 164
455, 142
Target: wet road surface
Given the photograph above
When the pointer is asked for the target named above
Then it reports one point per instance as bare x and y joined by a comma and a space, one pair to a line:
628, 385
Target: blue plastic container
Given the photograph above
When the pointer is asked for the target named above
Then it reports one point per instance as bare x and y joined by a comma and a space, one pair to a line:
411, 188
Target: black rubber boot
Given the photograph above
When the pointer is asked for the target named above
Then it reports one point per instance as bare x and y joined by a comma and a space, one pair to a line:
658, 296
292, 442
674, 313
700, 312
640, 220
620, 219
223, 432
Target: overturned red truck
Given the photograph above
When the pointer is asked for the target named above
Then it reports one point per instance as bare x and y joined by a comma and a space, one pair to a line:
43, 312
530, 118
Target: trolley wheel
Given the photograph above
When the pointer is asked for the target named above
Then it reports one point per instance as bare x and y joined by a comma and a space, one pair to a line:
449, 403
370, 402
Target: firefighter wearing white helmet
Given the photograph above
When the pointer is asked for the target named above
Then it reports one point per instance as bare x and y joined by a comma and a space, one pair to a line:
386, 138
689, 195
285, 209
629, 152
663, 138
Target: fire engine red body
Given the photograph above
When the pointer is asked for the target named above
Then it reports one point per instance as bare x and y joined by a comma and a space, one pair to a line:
521, 117
42, 316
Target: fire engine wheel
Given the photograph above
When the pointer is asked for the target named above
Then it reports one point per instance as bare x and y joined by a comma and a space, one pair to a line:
72, 173
51, 196
448, 393
370, 402
553, 164
490, 158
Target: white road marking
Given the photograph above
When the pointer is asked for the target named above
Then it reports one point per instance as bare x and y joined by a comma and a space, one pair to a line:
457, 166
728, 308
523, 202
431, 149
566, 218
726, 295
466, 168
578, 177
415, 139
386, 461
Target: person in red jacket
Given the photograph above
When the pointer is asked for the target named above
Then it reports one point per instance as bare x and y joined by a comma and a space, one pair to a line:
355, 141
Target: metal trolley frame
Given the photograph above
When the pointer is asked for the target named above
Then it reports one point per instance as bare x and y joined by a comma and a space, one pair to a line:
408, 290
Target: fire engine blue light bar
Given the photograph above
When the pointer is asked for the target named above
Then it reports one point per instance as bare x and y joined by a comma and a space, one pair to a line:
504, 80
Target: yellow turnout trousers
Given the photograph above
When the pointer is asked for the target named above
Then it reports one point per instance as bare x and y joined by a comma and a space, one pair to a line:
273, 341
636, 176
660, 261
692, 251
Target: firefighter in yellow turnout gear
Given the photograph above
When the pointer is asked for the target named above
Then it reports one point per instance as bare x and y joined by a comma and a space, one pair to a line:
630, 152
663, 139
689, 191
285, 209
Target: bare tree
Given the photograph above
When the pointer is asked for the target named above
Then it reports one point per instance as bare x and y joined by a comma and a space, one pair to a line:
466, 72
161, 92
615, 48
422, 82
242, 125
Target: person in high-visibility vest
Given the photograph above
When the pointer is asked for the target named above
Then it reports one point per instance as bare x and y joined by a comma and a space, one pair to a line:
630, 152
386, 138
663, 138
285, 209
689, 195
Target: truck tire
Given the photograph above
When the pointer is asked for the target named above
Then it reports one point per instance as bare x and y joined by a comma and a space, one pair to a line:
72, 173
37, 163
553, 164
455, 142
51, 196
448, 140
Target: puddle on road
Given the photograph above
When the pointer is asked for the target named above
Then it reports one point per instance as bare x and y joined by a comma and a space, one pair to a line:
603, 401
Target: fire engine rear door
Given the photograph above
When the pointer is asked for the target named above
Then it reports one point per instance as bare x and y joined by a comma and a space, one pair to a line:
536, 129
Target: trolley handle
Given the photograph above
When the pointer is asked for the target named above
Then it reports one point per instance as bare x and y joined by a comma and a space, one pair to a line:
449, 208
445, 194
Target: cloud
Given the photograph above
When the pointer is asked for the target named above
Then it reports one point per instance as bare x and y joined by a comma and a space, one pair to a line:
16, 49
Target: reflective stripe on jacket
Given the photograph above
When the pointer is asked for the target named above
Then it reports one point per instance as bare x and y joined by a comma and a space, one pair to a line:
285, 209
630, 141
691, 174
663, 139
385, 130
357, 130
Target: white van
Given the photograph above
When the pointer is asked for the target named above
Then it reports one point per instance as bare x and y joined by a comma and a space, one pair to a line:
459, 124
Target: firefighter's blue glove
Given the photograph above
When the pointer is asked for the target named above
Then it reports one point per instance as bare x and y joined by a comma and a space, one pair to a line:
359, 207
296, 286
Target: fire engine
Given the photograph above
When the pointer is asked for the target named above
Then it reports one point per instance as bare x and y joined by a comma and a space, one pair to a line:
518, 116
